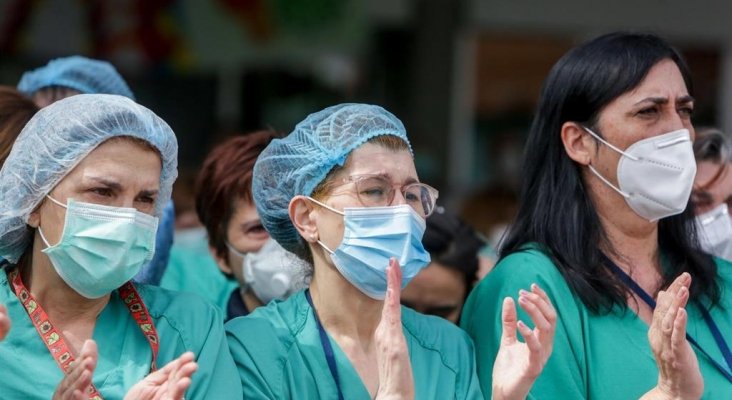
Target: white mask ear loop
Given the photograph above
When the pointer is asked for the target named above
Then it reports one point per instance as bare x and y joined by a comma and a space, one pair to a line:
331, 209
608, 144
594, 171
40, 231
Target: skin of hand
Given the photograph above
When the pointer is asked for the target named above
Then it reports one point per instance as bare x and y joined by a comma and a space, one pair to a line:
679, 376
79, 377
167, 383
518, 364
4, 322
396, 381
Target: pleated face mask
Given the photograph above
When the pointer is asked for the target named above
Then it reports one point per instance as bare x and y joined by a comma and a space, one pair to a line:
101, 247
373, 235
655, 175
715, 232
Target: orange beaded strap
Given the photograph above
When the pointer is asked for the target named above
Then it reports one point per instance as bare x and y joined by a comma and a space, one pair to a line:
55, 342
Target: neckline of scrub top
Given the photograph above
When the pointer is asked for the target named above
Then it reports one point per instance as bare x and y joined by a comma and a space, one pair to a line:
651, 302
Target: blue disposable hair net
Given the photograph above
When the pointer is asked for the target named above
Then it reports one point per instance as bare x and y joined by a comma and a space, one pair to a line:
296, 164
56, 139
78, 73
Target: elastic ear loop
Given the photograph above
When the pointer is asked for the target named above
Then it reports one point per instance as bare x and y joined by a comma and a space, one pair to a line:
608, 144
327, 207
40, 231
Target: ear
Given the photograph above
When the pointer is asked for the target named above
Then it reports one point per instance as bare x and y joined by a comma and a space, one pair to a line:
578, 143
34, 219
300, 211
220, 261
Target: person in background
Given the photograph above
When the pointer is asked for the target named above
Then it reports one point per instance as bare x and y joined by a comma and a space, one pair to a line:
15, 111
604, 225
441, 288
237, 240
69, 76
342, 193
712, 193
80, 194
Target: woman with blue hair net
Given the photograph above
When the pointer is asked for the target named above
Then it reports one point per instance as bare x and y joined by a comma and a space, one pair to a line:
342, 193
79, 198
68, 76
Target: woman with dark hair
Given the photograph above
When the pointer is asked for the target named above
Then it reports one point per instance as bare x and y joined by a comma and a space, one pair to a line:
603, 225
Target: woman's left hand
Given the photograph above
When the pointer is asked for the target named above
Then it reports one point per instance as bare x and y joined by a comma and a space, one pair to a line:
518, 364
167, 383
395, 369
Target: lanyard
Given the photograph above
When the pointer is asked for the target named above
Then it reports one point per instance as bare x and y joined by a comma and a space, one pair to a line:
718, 338
55, 342
327, 348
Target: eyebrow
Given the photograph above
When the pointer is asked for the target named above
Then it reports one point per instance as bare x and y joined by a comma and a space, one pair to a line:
388, 176
664, 100
116, 186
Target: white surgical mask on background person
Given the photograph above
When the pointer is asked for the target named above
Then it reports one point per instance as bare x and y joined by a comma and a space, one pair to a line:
373, 235
101, 247
272, 273
715, 232
656, 174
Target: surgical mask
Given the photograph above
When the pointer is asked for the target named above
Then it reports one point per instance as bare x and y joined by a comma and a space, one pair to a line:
101, 247
271, 272
655, 175
373, 235
715, 232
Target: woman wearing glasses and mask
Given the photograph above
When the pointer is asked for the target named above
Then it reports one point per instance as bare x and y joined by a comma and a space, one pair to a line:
342, 193
80, 197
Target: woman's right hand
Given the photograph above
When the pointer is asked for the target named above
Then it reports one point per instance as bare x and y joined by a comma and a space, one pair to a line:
78, 378
4, 322
679, 376
395, 369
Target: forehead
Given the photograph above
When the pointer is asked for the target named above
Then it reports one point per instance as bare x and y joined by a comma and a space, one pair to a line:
122, 160
663, 80
371, 158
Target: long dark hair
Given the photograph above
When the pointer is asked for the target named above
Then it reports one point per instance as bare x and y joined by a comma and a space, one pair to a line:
555, 210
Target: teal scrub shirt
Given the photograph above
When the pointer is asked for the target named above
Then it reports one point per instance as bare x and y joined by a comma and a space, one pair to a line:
597, 357
278, 352
192, 269
184, 323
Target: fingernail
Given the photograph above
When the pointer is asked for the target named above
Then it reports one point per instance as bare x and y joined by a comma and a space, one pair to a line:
522, 292
683, 292
521, 324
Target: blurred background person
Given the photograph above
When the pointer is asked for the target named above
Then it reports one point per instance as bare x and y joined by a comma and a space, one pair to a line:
712, 192
241, 247
15, 111
69, 76
80, 196
441, 288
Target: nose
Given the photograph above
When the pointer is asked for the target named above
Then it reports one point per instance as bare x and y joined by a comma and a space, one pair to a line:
399, 198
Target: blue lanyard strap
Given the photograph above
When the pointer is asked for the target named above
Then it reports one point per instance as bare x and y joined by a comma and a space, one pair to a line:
721, 343
327, 347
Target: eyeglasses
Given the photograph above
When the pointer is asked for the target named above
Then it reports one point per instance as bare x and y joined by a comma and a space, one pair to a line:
378, 191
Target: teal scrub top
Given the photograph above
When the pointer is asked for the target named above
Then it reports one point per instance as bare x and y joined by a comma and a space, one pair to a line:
183, 322
278, 352
192, 269
597, 357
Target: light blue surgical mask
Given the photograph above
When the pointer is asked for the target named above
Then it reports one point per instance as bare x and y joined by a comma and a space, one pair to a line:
101, 247
373, 235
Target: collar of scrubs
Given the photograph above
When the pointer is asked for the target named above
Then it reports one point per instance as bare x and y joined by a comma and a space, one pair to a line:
713, 328
55, 342
327, 347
